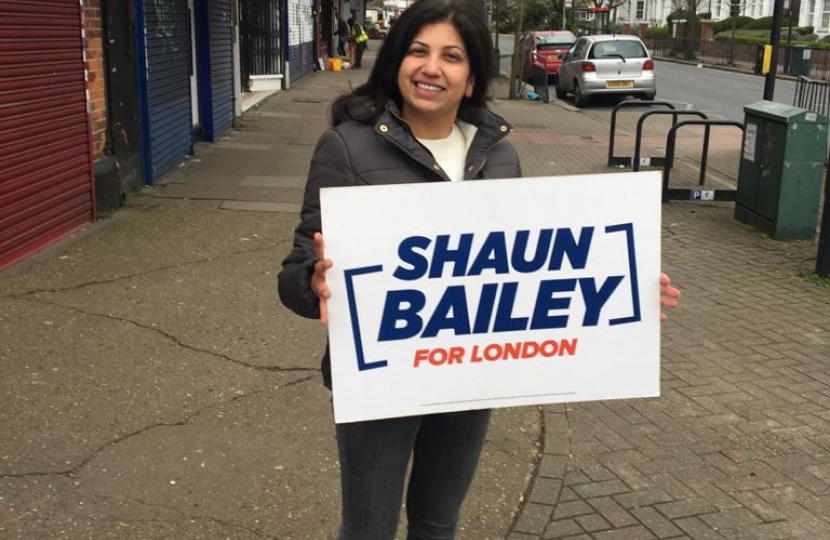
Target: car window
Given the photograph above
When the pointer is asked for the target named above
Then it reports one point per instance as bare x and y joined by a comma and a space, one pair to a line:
625, 49
579, 49
554, 46
557, 40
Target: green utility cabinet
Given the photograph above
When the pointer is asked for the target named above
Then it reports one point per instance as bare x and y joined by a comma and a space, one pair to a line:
782, 164
801, 60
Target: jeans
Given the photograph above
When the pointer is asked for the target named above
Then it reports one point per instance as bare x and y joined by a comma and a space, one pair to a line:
341, 46
445, 449
358, 55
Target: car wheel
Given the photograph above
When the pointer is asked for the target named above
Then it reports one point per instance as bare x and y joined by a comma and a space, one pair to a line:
560, 92
580, 99
648, 97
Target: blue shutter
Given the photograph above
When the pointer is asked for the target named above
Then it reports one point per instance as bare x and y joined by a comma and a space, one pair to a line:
164, 82
216, 94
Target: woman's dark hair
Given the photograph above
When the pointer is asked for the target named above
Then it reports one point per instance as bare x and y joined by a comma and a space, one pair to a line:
367, 102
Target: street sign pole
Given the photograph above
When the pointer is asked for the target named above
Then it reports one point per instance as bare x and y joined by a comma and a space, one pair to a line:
774, 38
788, 54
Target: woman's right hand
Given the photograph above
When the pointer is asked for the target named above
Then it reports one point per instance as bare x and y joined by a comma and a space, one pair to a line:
318, 277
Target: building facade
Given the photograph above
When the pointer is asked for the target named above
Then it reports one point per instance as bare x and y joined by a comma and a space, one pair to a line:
814, 13
46, 132
100, 97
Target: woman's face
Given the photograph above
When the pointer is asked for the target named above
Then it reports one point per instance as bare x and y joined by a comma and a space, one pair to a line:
434, 75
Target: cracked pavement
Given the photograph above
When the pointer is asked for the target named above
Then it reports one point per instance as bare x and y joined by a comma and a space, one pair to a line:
153, 387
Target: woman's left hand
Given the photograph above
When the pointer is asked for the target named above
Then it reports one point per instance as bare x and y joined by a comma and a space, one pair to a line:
668, 295
318, 277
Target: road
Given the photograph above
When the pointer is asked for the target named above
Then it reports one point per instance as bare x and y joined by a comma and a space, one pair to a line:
716, 92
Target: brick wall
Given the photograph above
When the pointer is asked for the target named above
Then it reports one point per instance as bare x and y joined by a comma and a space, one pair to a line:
93, 26
707, 30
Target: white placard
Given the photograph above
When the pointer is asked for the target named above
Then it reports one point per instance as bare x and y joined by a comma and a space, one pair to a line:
750, 138
458, 296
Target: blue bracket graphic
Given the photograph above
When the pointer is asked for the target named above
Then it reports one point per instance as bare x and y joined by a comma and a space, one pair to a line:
362, 364
628, 229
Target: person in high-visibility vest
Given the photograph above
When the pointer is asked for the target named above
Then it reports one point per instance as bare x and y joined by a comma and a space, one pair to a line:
360, 39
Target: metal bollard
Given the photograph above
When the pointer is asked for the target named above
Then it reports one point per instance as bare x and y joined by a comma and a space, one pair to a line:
823, 255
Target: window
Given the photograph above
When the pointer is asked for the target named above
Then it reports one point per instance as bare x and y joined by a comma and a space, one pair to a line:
641, 10
579, 48
809, 9
624, 49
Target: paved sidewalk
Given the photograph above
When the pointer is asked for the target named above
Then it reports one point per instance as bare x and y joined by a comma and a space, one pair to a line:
152, 387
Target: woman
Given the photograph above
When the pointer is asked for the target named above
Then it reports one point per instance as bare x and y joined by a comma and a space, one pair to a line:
421, 117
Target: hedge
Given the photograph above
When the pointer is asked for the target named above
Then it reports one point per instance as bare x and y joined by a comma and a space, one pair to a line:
751, 37
764, 23
726, 24
658, 32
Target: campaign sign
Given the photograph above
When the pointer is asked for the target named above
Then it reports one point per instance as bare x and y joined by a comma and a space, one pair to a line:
457, 296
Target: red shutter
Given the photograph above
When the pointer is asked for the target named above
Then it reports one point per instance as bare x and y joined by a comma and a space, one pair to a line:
46, 178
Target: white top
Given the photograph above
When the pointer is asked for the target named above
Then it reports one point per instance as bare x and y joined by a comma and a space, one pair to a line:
451, 152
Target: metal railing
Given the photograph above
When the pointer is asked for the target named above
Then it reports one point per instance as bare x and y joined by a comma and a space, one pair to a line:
812, 95
815, 97
739, 55
260, 37
695, 194
660, 161
626, 161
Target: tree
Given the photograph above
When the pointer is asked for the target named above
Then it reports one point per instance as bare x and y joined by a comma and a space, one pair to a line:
688, 30
541, 15
688, 9
613, 5
515, 64
538, 14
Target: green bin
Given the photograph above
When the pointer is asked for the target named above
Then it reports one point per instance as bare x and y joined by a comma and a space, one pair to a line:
801, 60
781, 169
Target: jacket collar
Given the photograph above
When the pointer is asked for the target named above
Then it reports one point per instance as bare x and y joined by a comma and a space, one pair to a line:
491, 128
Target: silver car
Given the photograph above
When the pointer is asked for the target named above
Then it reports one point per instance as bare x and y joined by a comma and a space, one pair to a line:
606, 64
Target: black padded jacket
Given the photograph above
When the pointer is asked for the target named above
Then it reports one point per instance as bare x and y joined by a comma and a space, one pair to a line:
354, 153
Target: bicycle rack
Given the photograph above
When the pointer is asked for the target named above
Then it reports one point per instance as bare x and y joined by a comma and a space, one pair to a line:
659, 161
686, 194
620, 160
